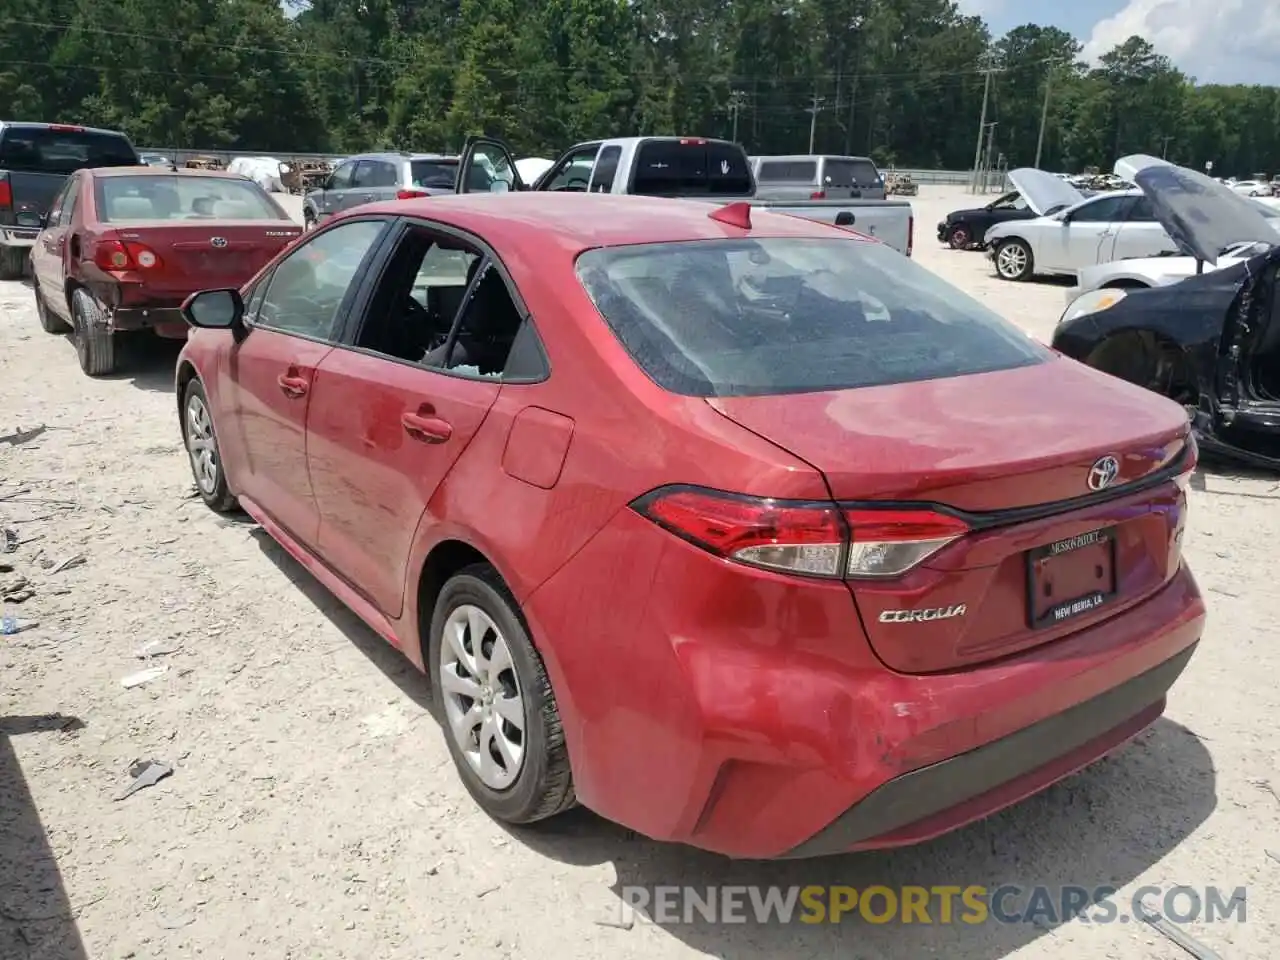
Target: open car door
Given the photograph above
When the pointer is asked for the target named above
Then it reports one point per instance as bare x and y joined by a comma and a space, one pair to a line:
487, 166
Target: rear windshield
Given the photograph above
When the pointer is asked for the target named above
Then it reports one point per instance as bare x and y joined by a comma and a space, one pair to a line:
771, 316
851, 173
673, 168
126, 199
434, 174
44, 150
788, 171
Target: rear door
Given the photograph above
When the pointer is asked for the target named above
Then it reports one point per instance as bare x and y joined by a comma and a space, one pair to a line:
49, 253
389, 419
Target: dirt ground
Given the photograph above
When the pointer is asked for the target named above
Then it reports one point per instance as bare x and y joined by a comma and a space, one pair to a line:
313, 812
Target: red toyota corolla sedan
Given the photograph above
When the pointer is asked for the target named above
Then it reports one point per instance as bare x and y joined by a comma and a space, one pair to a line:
741, 530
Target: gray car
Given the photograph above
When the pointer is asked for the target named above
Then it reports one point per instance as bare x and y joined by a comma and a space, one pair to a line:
373, 177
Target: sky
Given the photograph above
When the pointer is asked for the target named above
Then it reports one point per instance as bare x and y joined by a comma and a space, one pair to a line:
1215, 41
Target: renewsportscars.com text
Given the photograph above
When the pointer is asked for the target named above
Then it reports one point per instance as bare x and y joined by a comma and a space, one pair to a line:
941, 904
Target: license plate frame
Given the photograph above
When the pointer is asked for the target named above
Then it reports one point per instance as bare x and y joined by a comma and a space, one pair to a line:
1101, 542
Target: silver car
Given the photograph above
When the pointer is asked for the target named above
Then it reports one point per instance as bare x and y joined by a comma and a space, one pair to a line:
373, 177
817, 177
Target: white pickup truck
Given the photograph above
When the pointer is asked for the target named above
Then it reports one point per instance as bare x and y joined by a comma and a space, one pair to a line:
693, 168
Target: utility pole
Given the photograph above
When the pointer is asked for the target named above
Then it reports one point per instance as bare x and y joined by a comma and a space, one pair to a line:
989, 69
1164, 153
1044, 111
991, 141
737, 100
813, 118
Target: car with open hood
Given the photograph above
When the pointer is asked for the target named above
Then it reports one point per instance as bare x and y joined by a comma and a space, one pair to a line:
967, 229
1210, 341
1071, 231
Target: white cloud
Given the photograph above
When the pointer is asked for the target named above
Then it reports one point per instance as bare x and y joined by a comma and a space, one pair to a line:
1216, 41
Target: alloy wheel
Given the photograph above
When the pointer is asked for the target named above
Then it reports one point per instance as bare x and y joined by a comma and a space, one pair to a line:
483, 702
1011, 261
201, 446
959, 238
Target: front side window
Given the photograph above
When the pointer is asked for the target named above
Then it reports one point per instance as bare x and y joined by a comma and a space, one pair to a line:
1104, 210
307, 289
774, 316
340, 179
573, 172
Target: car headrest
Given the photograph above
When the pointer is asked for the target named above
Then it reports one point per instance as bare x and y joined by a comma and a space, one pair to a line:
130, 208
232, 210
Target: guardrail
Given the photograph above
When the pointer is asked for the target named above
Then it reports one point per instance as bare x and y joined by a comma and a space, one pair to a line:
951, 178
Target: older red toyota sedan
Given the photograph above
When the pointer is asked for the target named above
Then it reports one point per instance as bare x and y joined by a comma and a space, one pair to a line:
741, 530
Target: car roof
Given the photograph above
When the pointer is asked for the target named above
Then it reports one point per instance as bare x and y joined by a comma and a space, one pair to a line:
579, 221
144, 171
67, 127
393, 156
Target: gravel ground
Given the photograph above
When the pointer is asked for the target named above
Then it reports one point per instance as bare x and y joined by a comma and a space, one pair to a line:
313, 811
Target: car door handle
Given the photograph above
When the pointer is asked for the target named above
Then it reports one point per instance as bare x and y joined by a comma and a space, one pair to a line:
293, 386
426, 429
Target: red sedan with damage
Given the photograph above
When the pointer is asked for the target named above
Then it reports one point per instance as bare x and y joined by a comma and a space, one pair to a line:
741, 530
122, 247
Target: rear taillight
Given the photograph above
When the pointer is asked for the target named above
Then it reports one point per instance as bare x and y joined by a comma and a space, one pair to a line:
6, 192
818, 195
888, 543
692, 142
118, 255
66, 128
810, 539
411, 194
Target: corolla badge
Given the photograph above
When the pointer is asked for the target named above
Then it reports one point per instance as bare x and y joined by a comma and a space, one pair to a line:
218, 241
1103, 473
923, 616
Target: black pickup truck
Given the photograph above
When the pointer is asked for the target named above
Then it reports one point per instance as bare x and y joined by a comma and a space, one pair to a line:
35, 160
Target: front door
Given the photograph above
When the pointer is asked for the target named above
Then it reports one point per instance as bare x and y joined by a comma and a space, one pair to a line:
330, 198
1141, 235
487, 166
273, 370
393, 413
1088, 237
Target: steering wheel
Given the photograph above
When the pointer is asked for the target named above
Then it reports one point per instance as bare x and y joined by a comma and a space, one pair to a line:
569, 184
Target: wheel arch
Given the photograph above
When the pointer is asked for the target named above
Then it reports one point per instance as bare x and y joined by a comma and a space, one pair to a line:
1142, 351
446, 558
185, 373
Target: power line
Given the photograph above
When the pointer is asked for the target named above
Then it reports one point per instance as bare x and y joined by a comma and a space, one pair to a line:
989, 70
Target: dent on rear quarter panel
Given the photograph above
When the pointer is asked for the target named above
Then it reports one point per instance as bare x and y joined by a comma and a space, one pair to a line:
537, 446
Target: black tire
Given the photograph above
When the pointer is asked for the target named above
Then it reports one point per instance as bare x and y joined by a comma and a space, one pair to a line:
1016, 251
543, 786
216, 494
50, 322
960, 237
95, 344
13, 262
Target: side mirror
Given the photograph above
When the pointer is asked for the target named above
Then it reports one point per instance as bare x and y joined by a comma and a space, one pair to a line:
214, 309
499, 186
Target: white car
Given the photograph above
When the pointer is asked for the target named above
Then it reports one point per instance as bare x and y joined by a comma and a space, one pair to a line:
1072, 232
1252, 188
1224, 217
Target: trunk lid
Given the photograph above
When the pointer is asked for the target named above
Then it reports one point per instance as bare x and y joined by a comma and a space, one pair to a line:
199, 255
1019, 477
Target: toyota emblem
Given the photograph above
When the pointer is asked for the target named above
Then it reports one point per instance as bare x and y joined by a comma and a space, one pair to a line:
218, 241
1103, 473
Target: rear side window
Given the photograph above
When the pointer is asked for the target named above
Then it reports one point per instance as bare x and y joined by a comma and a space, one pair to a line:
606, 170
782, 315
434, 174
851, 173
49, 150
682, 168
788, 171
159, 197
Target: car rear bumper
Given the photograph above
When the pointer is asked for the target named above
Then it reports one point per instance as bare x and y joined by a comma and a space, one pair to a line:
165, 320
745, 714
12, 237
